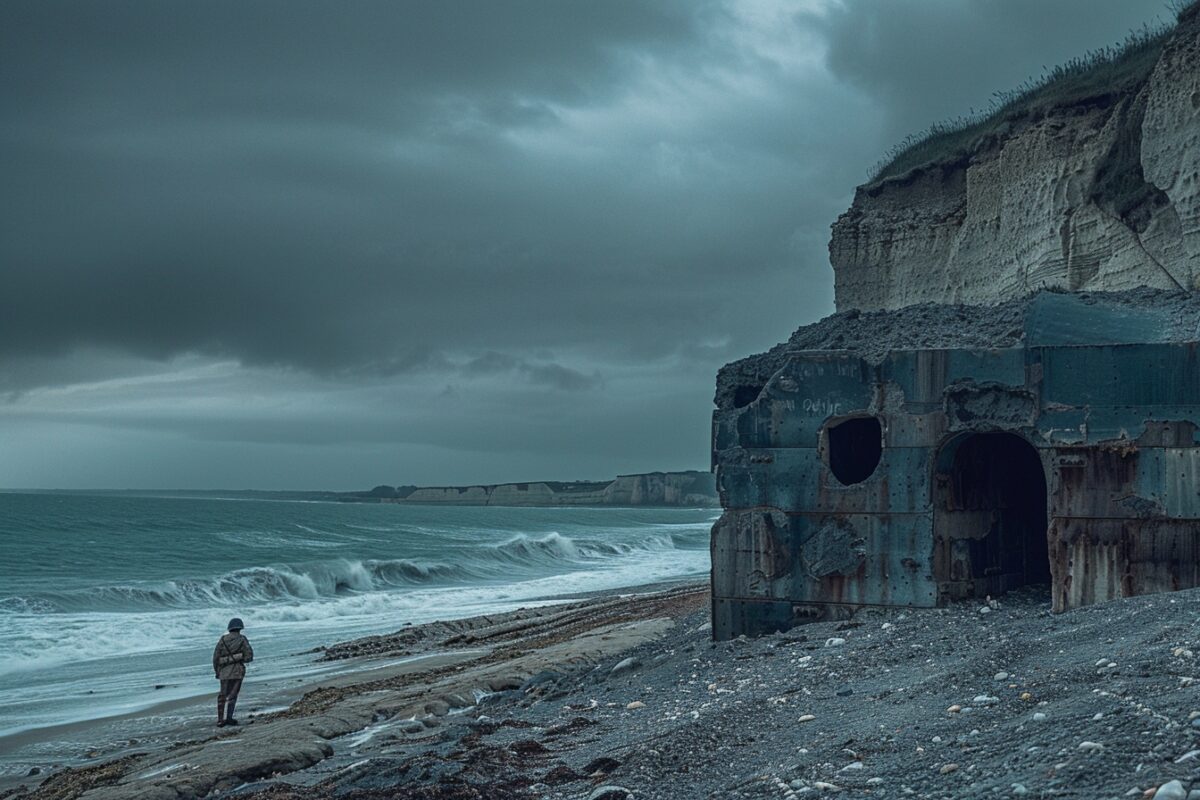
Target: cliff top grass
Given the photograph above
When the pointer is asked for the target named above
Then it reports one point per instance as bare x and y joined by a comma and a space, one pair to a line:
1098, 75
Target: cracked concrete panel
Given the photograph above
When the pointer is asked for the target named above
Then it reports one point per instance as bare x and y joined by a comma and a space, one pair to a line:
754, 550
983, 406
837, 548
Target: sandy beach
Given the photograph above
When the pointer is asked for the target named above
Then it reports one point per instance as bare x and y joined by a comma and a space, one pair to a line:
626, 696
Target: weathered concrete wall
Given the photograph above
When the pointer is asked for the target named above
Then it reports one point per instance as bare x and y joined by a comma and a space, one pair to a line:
1111, 430
1099, 195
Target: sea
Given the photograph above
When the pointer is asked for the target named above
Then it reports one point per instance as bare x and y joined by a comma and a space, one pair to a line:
110, 605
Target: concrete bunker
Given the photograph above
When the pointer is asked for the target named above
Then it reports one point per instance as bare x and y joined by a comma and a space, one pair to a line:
1070, 455
990, 515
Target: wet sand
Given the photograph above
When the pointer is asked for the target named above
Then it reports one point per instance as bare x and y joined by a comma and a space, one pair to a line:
420, 674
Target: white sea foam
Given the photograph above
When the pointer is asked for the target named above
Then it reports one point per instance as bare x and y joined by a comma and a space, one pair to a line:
549, 553
35, 641
71, 650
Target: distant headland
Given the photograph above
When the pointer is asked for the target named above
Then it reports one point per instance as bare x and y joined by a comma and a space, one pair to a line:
690, 489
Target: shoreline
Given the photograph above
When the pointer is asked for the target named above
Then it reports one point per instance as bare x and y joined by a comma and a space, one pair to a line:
303, 580
629, 692
343, 674
279, 693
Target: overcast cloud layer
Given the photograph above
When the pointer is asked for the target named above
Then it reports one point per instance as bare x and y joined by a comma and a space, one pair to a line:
325, 245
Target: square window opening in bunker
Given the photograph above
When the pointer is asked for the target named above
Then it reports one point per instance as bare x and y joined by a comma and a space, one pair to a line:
990, 516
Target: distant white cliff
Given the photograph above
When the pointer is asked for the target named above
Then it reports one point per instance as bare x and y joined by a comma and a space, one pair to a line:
690, 489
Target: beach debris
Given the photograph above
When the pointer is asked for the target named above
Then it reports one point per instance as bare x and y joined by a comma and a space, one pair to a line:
601, 766
561, 774
528, 747
610, 793
636, 704
626, 665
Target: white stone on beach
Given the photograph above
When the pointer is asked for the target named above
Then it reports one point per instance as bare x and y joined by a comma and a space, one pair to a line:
626, 665
1171, 790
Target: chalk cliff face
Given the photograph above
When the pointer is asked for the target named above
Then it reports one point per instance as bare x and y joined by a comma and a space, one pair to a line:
1102, 194
647, 489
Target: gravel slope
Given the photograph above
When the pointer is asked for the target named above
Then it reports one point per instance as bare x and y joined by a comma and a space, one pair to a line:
874, 334
1095, 703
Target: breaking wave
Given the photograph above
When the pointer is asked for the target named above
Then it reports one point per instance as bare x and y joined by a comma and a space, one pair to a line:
26, 605
519, 556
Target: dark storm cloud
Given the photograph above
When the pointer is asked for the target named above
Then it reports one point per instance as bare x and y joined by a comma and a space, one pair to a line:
321, 185
438, 233
930, 60
549, 374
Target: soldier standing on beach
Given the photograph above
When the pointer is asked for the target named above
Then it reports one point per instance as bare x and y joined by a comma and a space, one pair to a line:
230, 658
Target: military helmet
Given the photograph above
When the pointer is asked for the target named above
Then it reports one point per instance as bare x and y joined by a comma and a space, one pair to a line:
235, 624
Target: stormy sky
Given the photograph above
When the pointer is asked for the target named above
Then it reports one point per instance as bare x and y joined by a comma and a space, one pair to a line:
330, 245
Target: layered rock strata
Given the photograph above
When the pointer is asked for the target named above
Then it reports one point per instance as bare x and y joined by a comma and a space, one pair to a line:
1100, 193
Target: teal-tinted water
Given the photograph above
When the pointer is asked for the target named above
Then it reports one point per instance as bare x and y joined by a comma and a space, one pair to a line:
103, 598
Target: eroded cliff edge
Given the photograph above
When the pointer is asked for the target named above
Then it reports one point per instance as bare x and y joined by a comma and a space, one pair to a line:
1093, 188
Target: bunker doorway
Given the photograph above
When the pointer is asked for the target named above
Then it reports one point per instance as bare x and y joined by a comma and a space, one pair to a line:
989, 516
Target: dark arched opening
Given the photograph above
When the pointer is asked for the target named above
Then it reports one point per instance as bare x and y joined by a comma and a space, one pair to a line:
990, 515
855, 446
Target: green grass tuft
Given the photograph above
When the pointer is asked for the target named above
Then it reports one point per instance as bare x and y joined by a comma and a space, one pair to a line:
1097, 76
